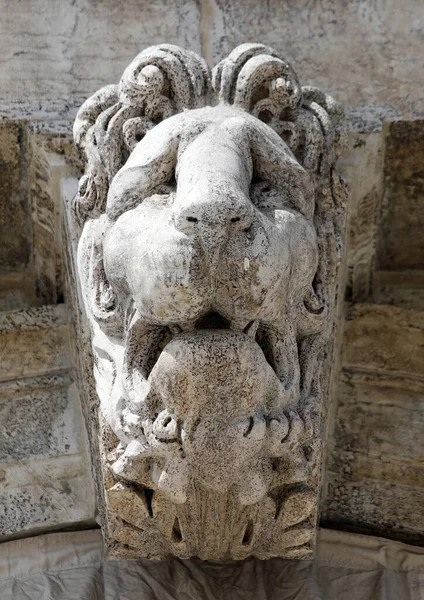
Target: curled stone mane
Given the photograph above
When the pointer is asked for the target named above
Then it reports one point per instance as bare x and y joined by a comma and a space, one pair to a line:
161, 81
164, 80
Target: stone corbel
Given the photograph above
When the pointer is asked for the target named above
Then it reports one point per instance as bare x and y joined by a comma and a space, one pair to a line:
210, 221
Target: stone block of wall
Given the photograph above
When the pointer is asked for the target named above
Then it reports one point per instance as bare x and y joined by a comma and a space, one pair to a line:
375, 473
45, 479
33, 342
15, 214
401, 243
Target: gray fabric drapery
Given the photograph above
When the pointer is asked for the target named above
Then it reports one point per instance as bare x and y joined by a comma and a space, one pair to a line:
71, 566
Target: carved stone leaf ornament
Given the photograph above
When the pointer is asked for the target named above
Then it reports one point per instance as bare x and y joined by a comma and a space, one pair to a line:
211, 222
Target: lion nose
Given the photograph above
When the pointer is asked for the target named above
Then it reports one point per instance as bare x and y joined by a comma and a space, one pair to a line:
213, 216
212, 219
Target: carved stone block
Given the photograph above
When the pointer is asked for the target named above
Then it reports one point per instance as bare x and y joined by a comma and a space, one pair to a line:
211, 222
45, 480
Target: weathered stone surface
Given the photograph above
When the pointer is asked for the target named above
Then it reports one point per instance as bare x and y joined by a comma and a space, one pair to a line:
368, 505
45, 224
45, 477
404, 289
17, 290
381, 417
48, 68
15, 213
374, 475
368, 56
50, 503
362, 165
360, 50
208, 262
401, 243
30, 217
384, 338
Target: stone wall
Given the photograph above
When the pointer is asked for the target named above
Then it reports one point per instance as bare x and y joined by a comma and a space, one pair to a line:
44, 469
44, 465
368, 53
374, 476
369, 56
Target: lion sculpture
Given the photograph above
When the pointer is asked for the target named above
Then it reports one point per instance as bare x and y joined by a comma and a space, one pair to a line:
211, 231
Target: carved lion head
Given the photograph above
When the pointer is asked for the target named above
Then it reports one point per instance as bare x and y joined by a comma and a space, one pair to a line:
211, 219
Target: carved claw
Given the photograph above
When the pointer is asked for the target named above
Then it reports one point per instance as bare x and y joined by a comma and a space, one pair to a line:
141, 338
248, 327
254, 429
296, 507
173, 480
286, 434
251, 329
296, 432
278, 430
132, 465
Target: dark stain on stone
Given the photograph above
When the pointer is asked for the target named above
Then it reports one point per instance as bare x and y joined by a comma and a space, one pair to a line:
401, 241
15, 213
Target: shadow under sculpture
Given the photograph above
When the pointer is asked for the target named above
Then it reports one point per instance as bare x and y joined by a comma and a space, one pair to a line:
211, 223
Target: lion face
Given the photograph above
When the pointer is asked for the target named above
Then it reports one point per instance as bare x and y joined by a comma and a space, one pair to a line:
227, 237
207, 263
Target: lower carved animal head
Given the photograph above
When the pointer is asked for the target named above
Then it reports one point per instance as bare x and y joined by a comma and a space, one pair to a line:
207, 263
